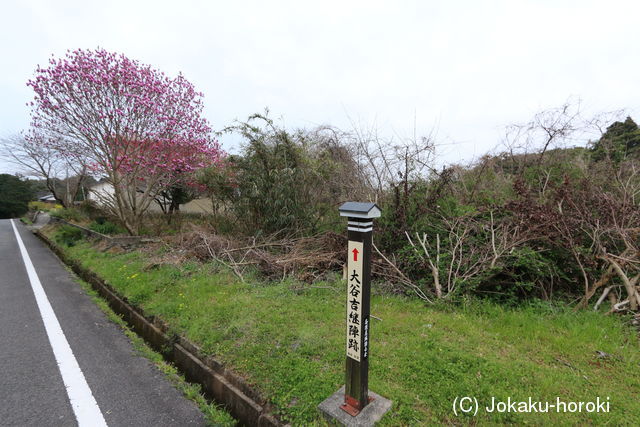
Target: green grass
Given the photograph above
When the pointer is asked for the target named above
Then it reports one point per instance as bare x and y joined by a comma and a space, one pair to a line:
214, 414
289, 344
105, 227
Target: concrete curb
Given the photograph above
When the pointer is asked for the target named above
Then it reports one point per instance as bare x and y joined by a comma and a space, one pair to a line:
218, 383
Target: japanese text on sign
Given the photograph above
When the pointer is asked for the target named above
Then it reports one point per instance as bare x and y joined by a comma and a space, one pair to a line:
354, 300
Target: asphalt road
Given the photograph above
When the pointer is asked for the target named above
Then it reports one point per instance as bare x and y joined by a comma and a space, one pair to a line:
44, 383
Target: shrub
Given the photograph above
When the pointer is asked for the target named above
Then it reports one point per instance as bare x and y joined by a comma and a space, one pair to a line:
43, 206
91, 210
104, 226
69, 214
286, 181
68, 235
15, 194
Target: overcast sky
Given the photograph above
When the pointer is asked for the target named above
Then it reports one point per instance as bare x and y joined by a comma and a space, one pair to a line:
465, 68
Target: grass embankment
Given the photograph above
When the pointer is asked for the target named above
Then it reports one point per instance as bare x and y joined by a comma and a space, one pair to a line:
214, 414
287, 340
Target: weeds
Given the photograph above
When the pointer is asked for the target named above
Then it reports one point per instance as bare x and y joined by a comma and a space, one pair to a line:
286, 338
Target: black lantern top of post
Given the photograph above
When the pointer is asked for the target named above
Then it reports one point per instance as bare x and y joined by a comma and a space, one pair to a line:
359, 210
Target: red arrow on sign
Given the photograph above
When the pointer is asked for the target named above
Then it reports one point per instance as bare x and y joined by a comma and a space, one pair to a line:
355, 254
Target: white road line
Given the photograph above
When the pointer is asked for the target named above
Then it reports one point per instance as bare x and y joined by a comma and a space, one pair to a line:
84, 405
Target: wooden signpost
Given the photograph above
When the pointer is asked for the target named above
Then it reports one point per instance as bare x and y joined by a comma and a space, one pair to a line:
354, 404
360, 226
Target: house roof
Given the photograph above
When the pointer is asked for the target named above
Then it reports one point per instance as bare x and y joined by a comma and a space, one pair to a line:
47, 198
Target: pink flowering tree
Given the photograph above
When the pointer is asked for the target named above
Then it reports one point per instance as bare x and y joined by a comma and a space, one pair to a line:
141, 130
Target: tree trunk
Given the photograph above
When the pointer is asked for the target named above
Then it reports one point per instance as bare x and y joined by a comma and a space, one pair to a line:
629, 284
174, 208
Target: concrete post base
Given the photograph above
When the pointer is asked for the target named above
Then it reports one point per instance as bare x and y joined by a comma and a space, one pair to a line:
371, 414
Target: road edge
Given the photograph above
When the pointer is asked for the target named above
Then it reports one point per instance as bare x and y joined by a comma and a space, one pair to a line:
218, 383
